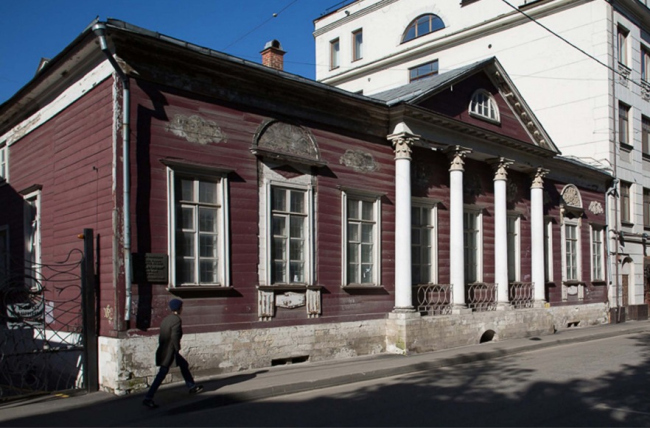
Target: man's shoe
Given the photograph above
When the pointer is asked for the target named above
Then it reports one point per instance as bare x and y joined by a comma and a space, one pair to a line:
149, 403
196, 389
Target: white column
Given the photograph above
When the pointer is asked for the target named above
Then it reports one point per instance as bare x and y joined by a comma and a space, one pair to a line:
501, 231
537, 234
403, 282
456, 243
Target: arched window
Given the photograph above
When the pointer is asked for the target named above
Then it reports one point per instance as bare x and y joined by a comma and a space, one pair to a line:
422, 25
483, 106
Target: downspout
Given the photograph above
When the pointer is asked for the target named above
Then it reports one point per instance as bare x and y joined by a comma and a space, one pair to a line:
615, 155
100, 30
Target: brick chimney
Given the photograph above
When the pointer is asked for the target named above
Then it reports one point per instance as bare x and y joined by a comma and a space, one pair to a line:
272, 55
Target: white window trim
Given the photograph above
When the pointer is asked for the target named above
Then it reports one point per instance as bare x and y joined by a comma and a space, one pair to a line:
223, 219
578, 224
491, 101
35, 270
433, 206
517, 248
601, 231
479, 240
309, 239
376, 199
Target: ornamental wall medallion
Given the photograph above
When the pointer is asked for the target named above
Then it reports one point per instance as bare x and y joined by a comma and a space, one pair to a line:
195, 129
596, 207
284, 138
359, 161
571, 196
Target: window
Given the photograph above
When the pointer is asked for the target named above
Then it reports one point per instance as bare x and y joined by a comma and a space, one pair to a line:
289, 243
483, 106
197, 232
597, 253
514, 252
334, 54
646, 208
32, 234
623, 124
424, 70
571, 251
423, 244
357, 45
626, 216
645, 64
3, 162
361, 236
622, 45
4, 255
421, 26
472, 231
645, 135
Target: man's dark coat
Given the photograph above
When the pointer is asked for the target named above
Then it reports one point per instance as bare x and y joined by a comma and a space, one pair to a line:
169, 340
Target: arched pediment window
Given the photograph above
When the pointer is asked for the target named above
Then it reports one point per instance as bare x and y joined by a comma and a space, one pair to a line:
484, 106
422, 25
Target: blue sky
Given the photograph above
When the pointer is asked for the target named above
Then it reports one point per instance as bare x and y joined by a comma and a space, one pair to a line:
35, 29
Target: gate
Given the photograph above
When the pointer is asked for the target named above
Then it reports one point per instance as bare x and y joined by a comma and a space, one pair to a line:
48, 338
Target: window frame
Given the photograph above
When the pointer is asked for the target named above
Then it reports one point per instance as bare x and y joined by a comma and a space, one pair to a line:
483, 100
432, 227
357, 45
645, 63
597, 253
223, 230
422, 66
567, 274
645, 136
477, 213
415, 25
646, 208
626, 202
335, 53
4, 162
624, 124
622, 34
34, 256
514, 251
357, 195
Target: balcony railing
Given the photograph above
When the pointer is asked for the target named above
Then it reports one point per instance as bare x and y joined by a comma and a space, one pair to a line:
521, 294
481, 296
433, 299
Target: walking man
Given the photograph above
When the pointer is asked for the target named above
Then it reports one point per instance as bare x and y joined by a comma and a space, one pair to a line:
168, 352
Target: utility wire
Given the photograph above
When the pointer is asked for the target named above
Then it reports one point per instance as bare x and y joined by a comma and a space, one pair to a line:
571, 44
275, 15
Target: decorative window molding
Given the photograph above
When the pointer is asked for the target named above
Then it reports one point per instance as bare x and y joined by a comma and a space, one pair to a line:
473, 242
424, 241
4, 162
197, 226
571, 258
483, 106
361, 226
421, 26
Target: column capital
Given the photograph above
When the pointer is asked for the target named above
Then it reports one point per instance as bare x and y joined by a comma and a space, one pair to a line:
500, 167
456, 154
402, 143
538, 178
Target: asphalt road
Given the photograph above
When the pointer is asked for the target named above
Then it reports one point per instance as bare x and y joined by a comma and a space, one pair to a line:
597, 383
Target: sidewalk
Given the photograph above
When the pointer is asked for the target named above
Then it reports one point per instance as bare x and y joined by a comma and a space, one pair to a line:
103, 409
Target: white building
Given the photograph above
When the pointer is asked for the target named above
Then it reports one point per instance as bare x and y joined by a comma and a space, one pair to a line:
583, 66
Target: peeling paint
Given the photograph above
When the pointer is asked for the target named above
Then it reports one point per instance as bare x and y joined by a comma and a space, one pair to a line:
195, 129
359, 161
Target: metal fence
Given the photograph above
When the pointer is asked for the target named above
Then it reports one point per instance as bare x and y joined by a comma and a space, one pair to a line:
433, 299
521, 294
481, 296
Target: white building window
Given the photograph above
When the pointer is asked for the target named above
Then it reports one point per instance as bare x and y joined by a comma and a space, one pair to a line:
421, 26
197, 230
357, 45
597, 253
335, 55
422, 71
514, 248
289, 235
483, 106
424, 248
571, 250
645, 63
473, 241
4, 164
361, 238
624, 124
622, 34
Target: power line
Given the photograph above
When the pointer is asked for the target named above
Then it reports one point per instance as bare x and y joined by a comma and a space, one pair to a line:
571, 44
275, 15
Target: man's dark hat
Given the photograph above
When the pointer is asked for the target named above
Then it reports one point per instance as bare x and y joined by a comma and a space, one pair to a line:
175, 304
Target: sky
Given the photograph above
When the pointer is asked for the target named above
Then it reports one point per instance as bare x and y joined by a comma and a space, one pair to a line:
35, 29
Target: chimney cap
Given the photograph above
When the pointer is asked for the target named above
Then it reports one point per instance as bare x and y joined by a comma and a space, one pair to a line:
273, 44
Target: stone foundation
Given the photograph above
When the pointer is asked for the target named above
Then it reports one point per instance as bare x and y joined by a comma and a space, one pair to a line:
127, 365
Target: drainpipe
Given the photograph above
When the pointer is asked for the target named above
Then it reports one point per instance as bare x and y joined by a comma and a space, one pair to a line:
100, 30
614, 153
